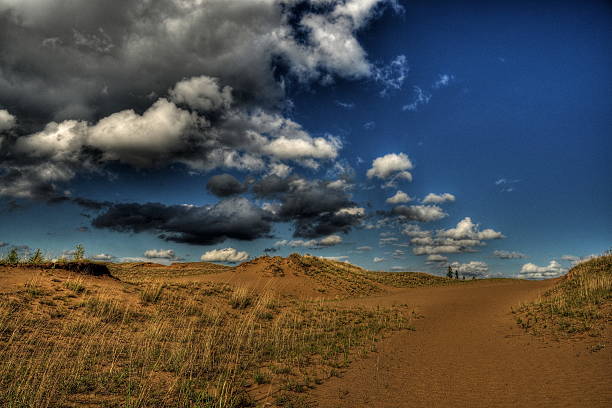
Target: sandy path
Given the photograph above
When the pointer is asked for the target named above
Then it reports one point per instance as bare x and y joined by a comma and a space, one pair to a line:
468, 352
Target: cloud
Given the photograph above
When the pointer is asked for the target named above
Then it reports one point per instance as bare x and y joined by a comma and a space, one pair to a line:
243, 45
369, 125
159, 93
533, 271
442, 81
345, 105
202, 93
378, 259
364, 248
230, 255
225, 185
7, 121
329, 241
389, 165
421, 213
160, 253
465, 237
432, 198
3, 244
466, 229
315, 209
506, 185
398, 198
509, 255
436, 259
103, 257
420, 98
392, 76
233, 218
472, 268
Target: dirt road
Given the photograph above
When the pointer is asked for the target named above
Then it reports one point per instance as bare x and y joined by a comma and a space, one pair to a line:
467, 351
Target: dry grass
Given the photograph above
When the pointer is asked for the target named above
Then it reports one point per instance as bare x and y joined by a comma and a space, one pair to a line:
580, 303
173, 345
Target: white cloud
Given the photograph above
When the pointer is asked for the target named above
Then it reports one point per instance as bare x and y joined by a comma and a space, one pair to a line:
202, 93
328, 241
420, 98
432, 198
421, 213
472, 268
230, 255
533, 271
509, 254
364, 248
399, 198
102, 257
279, 169
436, 259
391, 164
352, 211
442, 81
466, 229
160, 253
7, 121
378, 259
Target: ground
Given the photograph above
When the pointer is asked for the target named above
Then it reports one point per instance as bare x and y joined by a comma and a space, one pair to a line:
293, 332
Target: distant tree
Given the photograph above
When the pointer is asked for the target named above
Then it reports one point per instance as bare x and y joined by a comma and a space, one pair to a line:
456, 275
12, 257
473, 277
449, 274
79, 253
462, 277
37, 257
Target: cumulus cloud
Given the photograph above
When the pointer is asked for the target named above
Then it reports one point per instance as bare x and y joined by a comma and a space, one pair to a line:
472, 268
421, 213
432, 198
225, 185
378, 259
160, 253
235, 218
7, 121
391, 165
502, 254
230, 255
533, 271
202, 93
465, 237
399, 198
86, 98
466, 229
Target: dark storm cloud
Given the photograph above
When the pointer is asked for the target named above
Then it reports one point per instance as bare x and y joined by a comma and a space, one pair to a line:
225, 185
235, 218
313, 207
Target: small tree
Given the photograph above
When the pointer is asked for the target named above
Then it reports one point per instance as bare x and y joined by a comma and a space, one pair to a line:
473, 277
449, 274
37, 257
462, 277
456, 275
79, 253
12, 257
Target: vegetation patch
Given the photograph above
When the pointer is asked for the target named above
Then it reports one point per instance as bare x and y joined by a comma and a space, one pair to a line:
580, 303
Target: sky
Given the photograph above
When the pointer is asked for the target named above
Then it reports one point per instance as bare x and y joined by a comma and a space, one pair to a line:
398, 136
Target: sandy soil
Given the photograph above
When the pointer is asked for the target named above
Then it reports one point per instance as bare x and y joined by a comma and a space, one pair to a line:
467, 351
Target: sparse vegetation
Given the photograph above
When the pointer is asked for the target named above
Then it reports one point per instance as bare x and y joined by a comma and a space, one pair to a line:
193, 345
580, 303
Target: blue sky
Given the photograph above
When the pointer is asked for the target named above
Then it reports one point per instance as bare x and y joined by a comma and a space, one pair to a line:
504, 105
